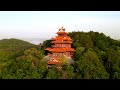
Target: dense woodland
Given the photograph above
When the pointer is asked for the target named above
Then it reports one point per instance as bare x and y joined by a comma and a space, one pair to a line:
97, 56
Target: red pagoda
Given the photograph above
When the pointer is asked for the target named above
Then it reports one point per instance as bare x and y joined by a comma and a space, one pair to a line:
61, 46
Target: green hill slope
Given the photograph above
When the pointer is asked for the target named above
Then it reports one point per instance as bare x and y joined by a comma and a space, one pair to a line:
12, 48
97, 56
14, 43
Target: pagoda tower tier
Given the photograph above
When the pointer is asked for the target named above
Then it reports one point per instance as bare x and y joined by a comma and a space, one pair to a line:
61, 46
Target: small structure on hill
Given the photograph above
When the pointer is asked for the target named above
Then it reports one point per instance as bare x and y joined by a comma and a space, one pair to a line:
61, 47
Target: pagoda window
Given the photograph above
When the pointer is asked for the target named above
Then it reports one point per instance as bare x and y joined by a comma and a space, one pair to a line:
60, 54
53, 54
71, 53
68, 45
68, 53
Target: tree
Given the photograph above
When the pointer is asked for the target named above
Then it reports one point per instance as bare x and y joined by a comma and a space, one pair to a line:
79, 52
90, 67
27, 66
113, 63
67, 72
53, 73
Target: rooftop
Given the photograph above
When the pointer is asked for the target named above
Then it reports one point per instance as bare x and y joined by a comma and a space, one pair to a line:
61, 31
60, 49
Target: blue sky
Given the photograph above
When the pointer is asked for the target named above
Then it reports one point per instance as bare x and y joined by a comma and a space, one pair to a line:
44, 24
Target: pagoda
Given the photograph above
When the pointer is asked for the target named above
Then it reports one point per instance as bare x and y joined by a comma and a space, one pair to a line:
61, 46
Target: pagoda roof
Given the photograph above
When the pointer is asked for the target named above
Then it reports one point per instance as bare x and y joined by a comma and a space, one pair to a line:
60, 41
57, 50
48, 48
60, 49
62, 38
61, 32
53, 61
67, 38
53, 38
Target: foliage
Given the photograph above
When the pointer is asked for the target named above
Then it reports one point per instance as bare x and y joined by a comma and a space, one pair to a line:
97, 56
90, 67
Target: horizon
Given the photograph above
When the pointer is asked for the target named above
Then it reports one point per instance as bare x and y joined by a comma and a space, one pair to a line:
37, 41
27, 25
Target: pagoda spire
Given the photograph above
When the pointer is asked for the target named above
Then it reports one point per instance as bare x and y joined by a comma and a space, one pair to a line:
62, 29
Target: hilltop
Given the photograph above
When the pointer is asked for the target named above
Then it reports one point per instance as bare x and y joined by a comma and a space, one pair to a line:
12, 48
97, 56
14, 43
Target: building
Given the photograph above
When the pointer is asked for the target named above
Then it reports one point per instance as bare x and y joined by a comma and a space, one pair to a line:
61, 46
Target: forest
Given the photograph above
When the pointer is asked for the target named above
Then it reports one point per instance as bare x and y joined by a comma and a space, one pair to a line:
97, 56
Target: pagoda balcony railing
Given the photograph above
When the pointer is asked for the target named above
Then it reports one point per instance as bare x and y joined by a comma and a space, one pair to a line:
58, 46
61, 42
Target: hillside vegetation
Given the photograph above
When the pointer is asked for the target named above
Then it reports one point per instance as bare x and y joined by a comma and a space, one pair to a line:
97, 56
10, 49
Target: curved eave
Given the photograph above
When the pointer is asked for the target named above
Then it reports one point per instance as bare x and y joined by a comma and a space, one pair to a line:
71, 50
51, 63
61, 33
60, 42
58, 51
48, 49
67, 39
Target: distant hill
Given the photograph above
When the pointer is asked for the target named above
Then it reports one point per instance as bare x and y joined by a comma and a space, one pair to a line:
35, 41
10, 49
14, 43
